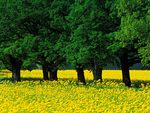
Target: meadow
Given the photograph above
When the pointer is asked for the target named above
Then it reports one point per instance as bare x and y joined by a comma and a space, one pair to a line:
33, 95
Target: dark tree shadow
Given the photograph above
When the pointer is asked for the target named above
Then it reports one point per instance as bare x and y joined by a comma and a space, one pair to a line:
90, 83
2, 79
138, 83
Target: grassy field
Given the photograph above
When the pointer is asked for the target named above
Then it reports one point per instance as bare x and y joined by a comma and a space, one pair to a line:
33, 95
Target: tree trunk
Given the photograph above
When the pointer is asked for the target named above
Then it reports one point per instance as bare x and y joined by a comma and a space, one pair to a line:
80, 74
97, 71
125, 69
97, 74
45, 72
16, 74
53, 74
15, 69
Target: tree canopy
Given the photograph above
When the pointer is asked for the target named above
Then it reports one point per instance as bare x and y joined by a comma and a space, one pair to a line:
85, 34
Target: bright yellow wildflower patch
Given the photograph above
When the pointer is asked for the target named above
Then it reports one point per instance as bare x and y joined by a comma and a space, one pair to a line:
66, 96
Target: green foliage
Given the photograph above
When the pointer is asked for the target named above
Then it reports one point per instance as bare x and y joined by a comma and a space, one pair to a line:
49, 26
134, 27
145, 55
90, 25
15, 42
77, 32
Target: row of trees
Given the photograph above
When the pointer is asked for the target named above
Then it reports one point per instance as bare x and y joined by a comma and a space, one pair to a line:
87, 34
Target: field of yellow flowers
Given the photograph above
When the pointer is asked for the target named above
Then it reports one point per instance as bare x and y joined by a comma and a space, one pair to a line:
33, 95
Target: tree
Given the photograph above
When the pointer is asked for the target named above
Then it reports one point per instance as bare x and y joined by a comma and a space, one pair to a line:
14, 42
133, 35
48, 24
90, 25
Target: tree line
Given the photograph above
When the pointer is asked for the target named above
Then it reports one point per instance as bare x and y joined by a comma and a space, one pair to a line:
86, 34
